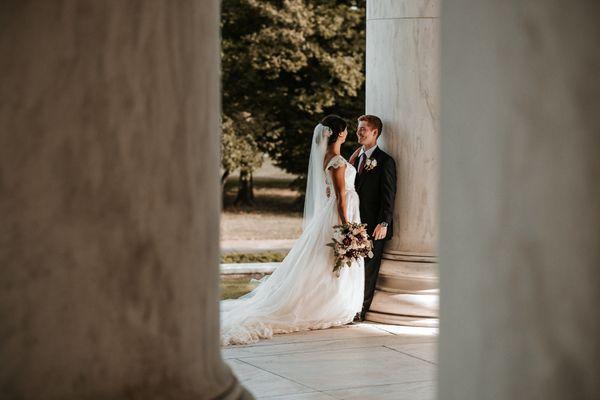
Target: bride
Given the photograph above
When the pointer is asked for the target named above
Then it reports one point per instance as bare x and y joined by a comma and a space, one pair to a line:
303, 293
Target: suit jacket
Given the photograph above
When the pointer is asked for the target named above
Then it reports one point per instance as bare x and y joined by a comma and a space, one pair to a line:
376, 190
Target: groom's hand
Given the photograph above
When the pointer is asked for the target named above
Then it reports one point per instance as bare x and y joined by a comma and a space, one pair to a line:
380, 232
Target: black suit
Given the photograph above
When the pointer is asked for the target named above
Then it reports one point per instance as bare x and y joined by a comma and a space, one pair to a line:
376, 190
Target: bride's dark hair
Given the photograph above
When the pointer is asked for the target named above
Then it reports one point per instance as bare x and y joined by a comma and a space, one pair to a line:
336, 124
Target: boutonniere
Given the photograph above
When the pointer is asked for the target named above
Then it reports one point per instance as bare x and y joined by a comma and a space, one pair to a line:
370, 164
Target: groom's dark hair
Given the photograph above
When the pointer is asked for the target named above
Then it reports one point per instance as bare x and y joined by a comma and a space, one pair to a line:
373, 121
336, 124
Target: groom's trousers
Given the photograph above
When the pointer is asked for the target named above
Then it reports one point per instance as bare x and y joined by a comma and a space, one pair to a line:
371, 273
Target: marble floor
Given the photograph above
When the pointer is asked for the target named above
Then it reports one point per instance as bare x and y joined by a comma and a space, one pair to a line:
361, 361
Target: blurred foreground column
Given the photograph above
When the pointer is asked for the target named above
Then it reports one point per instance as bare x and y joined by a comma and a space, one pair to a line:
520, 201
402, 89
109, 200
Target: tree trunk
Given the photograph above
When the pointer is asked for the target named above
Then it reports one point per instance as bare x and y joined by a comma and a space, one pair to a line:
223, 182
245, 196
224, 178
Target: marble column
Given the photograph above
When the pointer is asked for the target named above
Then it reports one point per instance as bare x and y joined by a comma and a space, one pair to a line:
402, 89
109, 201
520, 200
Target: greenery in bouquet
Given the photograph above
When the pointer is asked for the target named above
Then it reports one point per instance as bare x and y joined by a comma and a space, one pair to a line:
350, 242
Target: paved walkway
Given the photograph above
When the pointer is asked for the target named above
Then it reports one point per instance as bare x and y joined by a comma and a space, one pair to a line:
250, 246
362, 361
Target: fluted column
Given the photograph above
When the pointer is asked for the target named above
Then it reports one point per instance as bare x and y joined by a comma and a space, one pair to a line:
402, 89
109, 191
520, 201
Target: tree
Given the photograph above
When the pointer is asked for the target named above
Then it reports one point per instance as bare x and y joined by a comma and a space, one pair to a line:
286, 63
239, 150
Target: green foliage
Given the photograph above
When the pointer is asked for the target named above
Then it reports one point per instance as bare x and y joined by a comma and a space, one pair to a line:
287, 63
235, 286
239, 148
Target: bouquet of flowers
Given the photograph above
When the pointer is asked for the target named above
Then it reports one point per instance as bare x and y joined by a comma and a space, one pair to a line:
350, 241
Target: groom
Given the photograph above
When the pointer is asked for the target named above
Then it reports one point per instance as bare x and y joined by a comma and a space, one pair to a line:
376, 187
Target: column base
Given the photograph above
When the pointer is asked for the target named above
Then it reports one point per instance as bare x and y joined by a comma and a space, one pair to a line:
407, 292
423, 304
393, 319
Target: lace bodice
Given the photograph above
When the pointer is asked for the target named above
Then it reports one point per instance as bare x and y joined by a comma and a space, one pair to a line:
350, 174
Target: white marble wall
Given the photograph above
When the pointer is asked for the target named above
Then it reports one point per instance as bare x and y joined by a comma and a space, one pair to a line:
520, 200
109, 201
402, 89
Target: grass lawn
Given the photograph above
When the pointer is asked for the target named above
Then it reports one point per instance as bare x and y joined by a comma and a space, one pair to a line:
234, 286
258, 257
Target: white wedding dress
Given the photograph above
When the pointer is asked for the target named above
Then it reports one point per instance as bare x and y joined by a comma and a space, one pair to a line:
303, 293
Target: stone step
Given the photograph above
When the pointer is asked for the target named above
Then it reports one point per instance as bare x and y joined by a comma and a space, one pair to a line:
248, 268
